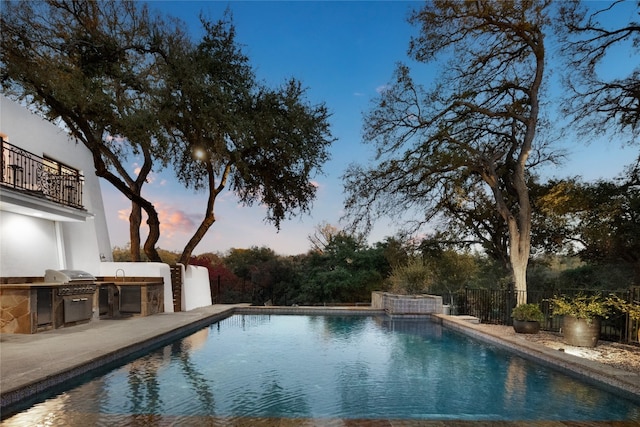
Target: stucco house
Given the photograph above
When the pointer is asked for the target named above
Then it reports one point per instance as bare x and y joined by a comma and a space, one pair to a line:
51, 209
52, 219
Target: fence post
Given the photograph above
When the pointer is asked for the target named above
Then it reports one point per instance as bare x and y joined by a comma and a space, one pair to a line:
465, 308
510, 303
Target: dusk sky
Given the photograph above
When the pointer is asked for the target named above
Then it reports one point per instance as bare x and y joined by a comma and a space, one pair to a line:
343, 53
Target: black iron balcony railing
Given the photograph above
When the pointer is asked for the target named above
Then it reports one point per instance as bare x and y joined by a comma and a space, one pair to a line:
41, 177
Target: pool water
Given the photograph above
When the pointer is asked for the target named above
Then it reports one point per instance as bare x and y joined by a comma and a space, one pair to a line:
329, 367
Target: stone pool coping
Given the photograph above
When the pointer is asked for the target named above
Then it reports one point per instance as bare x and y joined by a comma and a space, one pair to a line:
34, 364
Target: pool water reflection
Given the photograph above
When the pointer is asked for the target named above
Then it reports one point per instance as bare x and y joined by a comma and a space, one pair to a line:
328, 367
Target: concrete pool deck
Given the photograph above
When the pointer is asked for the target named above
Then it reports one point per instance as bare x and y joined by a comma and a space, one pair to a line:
32, 364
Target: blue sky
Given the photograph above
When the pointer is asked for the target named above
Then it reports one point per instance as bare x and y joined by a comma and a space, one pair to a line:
343, 52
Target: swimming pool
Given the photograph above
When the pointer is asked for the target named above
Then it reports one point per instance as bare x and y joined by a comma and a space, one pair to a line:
326, 367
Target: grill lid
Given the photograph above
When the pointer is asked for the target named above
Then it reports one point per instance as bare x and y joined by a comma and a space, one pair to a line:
66, 276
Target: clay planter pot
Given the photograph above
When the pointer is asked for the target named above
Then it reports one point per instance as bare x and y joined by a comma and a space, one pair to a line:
580, 332
526, 326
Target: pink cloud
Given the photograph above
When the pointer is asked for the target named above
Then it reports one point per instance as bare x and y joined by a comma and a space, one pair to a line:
123, 214
172, 220
151, 177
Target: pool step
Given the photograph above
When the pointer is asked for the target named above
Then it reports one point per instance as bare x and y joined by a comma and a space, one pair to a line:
470, 319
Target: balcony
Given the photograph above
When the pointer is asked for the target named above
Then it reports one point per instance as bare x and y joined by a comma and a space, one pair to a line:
40, 186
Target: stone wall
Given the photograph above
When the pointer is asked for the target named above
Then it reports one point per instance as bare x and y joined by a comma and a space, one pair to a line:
396, 304
16, 315
153, 301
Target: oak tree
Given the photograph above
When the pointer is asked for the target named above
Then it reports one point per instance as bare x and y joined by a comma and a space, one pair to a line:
600, 221
601, 101
90, 66
477, 124
229, 131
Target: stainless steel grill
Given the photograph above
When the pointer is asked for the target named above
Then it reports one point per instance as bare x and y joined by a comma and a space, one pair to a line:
68, 276
73, 289
77, 291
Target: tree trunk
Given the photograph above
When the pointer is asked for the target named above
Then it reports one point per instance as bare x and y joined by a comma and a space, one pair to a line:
154, 223
520, 229
519, 245
209, 217
135, 219
154, 234
206, 223
519, 222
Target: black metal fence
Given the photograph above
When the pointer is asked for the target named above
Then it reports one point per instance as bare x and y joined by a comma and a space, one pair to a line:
41, 177
494, 306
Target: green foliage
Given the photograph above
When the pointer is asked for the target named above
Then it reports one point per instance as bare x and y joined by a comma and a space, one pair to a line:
264, 144
254, 269
395, 250
611, 223
491, 274
345, 271
528, 313
454, 270
596, 276
569, 272
411, 279
359, 268
580, 306
599, 221
444, 271
348, 270
123, 254
631, 308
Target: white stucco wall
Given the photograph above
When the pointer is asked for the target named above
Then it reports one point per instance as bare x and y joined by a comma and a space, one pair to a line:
196, 291
27, 245
50, 244
195, 287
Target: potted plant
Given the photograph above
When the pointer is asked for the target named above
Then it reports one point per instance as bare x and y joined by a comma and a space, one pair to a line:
527, 318
581, 317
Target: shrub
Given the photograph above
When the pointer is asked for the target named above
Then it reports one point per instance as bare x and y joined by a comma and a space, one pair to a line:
411, 279
528, 313
581, 306
630, 308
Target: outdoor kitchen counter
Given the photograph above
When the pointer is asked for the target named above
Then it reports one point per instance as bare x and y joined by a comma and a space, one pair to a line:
35, 306
30, 285
129, 296
26, 308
